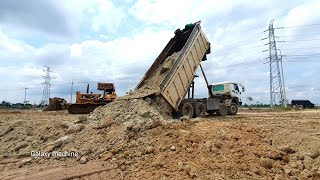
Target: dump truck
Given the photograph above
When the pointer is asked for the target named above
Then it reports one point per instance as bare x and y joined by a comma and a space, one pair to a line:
87, 102
193, 47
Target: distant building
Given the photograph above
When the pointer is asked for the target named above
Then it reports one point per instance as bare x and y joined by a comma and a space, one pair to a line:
301, 103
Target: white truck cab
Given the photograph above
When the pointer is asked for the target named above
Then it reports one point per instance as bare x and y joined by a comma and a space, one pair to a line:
228, 88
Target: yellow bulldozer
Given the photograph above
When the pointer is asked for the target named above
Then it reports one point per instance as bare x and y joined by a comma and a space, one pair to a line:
87, 102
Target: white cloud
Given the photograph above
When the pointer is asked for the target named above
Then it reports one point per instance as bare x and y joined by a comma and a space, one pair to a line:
92, 60
13, 48
303, 14
99, 15
76, 50
123, 59
180, 12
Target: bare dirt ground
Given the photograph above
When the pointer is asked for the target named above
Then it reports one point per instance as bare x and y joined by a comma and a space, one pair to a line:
255, 144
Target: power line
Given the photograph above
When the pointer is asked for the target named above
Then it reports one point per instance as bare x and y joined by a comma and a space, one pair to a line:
301, 35
245, 43
37, 88
261, 61
299, 40
283, 27
298, 55
286, 92
243, 63
62, 85
241, 45
12, 90
243, 37
240, 68
300, 48
304, 61
237, 51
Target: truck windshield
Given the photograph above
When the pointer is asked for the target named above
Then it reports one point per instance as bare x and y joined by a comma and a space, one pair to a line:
236, 87
218, 87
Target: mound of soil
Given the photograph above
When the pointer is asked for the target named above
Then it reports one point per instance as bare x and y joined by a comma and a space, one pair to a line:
136, 110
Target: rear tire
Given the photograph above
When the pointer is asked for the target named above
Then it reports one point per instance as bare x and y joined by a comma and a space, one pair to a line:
199, 110
233, 109
223, 110
187, 110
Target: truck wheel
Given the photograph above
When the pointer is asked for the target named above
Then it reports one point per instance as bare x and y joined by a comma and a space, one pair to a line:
187, 110
223, 110
199, 110
233, 109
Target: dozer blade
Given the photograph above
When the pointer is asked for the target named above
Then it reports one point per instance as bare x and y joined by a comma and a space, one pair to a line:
83, 108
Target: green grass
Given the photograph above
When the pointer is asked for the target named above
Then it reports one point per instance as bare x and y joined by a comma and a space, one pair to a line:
280, 108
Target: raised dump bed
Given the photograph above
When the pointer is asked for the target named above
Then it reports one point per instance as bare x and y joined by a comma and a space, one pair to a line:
191, 47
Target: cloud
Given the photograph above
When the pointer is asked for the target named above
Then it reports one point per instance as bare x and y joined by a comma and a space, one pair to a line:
52, 55
43, 17
117, 42
97, 15
307, 13
12, 48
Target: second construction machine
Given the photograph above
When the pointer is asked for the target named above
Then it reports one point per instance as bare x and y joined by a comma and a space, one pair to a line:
87, 102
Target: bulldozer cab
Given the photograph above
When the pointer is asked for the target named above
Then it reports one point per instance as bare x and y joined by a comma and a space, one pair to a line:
108, 89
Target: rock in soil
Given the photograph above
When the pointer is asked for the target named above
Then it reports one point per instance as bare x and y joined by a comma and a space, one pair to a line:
24, 162
21, 145
83, 160
313, 154
74, 129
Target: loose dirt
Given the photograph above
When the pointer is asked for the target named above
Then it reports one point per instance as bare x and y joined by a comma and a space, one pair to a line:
157, 77
251, 145
137, 111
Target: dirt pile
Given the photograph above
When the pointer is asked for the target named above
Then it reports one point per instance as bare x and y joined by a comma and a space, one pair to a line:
134, 114
204, 148
139, 113
120, 118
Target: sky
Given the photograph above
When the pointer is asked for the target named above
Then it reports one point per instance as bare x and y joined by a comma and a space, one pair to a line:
86, 41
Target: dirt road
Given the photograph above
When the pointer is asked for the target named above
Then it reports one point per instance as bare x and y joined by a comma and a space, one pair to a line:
255, 144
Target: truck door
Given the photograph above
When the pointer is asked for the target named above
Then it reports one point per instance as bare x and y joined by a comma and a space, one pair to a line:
236, 89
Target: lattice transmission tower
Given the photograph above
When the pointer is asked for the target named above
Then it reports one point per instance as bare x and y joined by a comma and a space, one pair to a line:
46, 86
276, 89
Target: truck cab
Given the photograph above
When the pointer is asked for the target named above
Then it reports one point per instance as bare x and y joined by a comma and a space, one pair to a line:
228, 88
